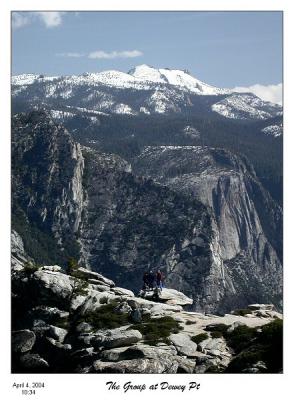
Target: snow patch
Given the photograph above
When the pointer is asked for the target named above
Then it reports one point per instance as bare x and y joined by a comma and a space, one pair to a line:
273, 130
242, 107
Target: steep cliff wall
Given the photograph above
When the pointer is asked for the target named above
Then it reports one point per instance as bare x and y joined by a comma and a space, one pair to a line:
247, 220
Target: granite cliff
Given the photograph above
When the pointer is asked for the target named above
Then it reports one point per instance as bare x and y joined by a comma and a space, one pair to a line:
199, 214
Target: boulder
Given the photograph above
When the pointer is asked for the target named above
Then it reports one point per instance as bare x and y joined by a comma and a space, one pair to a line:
122, 292
56, 344
33, 363
53, 268
172, 296
83, 358
84, 353
22, 341
40, 327
84, 339
115, 354
87, 274
116, 338
96, 285
123, 308
164, 309
184, 345
95, 300
57, 333
141, 366
84, 327
215, 347
202, 358
49, 314
203, 367
263, 307
262, 314
77, 301
235, 325
185, 365
53, 288
141, 350
136, 316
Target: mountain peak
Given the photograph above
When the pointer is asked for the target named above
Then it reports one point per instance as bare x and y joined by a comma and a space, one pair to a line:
175, 77
147, 73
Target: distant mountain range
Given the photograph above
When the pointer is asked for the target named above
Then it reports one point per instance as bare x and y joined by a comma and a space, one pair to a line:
143, 90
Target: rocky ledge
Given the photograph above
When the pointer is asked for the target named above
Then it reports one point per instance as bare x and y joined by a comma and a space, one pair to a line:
81, 322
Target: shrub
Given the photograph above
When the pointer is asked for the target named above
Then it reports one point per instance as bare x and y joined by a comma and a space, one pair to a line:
105, 317
216, 334
217, 327
266, 346
246, 359
31, 267
199, 338
241, 337
80, 285
156, 330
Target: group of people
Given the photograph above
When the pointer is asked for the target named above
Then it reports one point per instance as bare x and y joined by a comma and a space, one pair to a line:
152, 280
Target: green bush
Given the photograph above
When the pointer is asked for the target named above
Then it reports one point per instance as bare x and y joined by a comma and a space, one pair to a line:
157, 330
31, 267
246, 359
105, 317
199, 338
218, 327
252, 346
80, 285
241, 337
216, 334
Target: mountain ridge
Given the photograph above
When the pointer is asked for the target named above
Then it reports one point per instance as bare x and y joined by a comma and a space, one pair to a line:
160, 91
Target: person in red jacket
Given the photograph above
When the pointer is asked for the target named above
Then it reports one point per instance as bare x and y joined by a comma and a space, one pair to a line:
159, 279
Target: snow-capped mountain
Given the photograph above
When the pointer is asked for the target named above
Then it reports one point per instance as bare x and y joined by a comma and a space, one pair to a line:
143, 89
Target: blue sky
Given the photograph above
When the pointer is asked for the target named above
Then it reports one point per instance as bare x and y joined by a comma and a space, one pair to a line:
226, 49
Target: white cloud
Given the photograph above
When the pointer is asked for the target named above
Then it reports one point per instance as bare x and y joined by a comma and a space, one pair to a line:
19, 20
100, 54
272, 93
51, 19
70, 54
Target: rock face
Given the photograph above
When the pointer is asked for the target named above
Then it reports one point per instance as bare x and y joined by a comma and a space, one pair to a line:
144, 366
183, 344
206, 221
104, 338
116, 338
247, 223
47, 180
23, 341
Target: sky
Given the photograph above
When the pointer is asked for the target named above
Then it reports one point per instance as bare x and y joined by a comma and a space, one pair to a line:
241, 50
